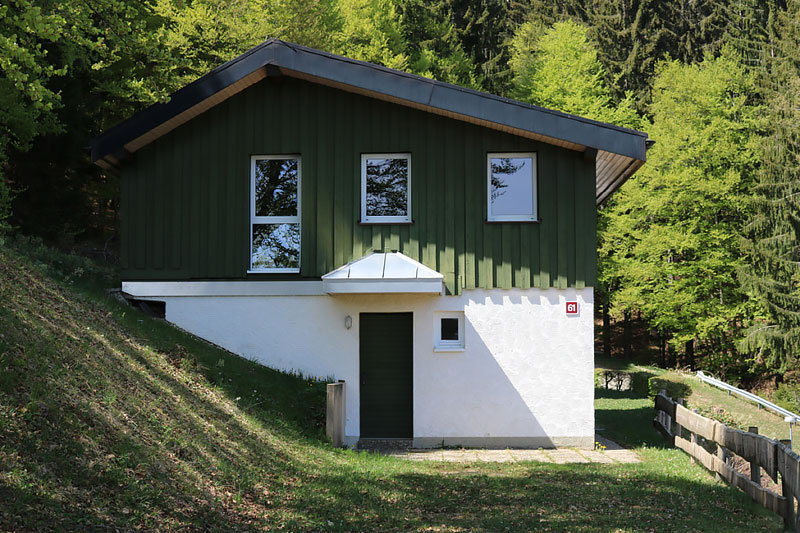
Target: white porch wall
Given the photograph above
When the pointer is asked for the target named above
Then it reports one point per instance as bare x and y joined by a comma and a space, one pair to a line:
526, 371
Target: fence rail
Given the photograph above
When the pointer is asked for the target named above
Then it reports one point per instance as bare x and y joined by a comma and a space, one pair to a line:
777, 460
788, 415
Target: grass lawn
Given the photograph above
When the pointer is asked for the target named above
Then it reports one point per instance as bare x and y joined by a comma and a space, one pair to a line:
110, 420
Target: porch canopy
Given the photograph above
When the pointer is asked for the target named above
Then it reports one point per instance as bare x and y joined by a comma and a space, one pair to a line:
377, 273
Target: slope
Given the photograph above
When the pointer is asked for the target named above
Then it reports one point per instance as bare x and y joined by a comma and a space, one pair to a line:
110, 420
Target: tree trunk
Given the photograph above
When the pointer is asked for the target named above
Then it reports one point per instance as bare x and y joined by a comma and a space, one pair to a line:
626, 335
606, 329
672, 357
662, 351
690, 354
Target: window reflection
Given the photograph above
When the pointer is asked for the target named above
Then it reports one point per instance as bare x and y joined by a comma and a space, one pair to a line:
276, 187
512, 186
387, 187
276, 246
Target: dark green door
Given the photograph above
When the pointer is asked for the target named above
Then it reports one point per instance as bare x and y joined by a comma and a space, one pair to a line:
385, 354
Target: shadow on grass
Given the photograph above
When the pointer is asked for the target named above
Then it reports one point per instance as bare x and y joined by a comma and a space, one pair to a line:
528, 497
626, 419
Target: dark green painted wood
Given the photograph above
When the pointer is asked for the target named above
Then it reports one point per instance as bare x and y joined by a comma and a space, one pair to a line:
185, 205
386, 375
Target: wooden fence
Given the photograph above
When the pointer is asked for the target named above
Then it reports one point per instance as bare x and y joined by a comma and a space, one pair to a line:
675, 422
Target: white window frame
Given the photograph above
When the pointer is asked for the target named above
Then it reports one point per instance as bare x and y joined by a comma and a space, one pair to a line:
274, 219
533, 217
440, 345
384, 219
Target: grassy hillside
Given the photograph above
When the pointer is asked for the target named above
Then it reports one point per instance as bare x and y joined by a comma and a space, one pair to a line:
715, 403
110, 420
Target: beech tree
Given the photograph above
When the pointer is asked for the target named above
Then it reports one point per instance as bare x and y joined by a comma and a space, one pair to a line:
670, 244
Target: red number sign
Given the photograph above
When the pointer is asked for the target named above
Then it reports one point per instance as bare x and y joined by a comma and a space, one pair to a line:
572, 308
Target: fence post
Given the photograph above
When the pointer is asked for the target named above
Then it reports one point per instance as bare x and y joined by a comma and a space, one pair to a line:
722, 455
678, 427
334, 423
786, 490
755, 469
667, 418
694, 438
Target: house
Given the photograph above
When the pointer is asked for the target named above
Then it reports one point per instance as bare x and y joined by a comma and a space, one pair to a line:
432, 246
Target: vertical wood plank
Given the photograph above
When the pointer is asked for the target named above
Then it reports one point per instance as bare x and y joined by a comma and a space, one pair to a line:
159, 178
563, 200
472, 208
549, 223
323, 179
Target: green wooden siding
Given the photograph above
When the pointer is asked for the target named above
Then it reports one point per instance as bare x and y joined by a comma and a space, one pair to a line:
186, 212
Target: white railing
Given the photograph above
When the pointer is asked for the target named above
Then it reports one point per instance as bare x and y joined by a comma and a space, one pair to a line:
788, 416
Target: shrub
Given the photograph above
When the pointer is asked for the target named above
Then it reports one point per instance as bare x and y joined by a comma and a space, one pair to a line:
787, 396
640, 383
675, 389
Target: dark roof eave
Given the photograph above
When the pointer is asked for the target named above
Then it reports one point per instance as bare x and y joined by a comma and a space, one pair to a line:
381, 80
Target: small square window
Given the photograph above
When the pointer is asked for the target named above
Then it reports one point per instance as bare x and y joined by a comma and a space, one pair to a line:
386, 188
449, 328
511, 183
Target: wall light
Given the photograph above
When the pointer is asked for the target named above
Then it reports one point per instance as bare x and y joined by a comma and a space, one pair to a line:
348, 322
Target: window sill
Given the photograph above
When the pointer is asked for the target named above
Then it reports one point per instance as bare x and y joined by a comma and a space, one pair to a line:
385, 223
448, 349
537, 221
275, 271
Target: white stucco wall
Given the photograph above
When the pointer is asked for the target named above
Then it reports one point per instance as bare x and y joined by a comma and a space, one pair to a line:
525, 377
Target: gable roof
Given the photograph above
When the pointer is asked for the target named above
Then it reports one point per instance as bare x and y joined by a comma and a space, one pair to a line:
618, 151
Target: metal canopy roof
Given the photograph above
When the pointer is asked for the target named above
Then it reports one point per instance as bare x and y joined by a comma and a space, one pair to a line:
618, 151
376, 273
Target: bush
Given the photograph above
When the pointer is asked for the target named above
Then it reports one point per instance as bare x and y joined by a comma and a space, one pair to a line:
787, 396
640, 383
675, 389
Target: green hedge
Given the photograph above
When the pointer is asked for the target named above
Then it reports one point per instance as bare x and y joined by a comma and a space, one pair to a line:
675, 389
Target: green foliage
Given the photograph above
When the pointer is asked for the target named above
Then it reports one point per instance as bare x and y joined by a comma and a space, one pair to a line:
370, 30
669, 247
559, 68
634, 35
787, 395
772, 237
675, 389
433, 45
640, 383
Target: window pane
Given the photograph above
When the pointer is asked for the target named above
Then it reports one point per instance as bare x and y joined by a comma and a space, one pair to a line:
387, 187
512, 186
276, 187
276, 246
449, 329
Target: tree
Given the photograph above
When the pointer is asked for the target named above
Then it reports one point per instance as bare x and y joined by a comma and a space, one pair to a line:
432, 44
369, 30
634, 35
671, 243
772, 237
558, 68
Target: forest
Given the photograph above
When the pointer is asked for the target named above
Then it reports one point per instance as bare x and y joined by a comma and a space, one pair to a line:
699, 252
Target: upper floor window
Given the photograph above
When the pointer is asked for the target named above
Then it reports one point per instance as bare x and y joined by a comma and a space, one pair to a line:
511, 182
386, 188
275, 213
